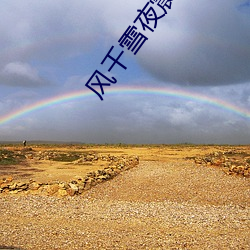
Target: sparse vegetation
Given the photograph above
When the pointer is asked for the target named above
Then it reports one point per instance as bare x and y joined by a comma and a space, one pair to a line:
8, 157
66, 157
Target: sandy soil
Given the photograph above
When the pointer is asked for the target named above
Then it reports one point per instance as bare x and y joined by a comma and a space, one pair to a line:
167, 202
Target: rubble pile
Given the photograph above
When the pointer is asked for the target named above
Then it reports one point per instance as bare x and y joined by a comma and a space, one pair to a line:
76, 186
233, 163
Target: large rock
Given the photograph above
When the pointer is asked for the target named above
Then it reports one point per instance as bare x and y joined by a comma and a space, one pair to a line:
71, 191
74, 187
62, 192
34, 186
13, 186
52, 189
22, 185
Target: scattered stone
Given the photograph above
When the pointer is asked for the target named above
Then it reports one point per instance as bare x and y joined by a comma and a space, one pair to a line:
9, 179
34, 186
14, 191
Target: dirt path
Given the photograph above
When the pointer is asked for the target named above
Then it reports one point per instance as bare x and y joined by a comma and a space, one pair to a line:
177, 181
158, 205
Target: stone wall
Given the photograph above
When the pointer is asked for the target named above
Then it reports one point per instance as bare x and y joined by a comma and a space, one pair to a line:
78, 185
232, 163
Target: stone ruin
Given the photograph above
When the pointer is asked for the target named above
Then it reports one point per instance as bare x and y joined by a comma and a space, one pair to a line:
77, 186
232, 162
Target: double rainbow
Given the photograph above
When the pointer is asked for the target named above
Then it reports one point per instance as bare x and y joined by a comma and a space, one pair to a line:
126, 91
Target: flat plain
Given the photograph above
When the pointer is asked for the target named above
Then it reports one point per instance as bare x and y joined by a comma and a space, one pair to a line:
177, 197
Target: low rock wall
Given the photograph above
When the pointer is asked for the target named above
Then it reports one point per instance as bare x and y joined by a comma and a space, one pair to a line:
232, 163
74, 187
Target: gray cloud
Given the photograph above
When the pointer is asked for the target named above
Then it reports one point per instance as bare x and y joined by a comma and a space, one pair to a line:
46, 30
200, 43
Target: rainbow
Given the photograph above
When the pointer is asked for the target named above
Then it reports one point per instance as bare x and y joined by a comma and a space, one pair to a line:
125, 91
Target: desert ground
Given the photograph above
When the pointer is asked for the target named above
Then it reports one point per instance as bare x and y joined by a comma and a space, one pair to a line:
102, 197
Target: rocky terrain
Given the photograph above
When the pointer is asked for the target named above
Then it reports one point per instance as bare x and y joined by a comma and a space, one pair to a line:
177, 197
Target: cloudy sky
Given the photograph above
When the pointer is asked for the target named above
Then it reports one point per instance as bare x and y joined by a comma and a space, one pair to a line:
51, 48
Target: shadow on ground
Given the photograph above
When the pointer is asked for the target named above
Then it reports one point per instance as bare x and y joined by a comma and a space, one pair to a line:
9, 248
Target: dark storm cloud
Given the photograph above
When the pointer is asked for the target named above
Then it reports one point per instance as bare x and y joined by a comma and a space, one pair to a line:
201, 43
197, 43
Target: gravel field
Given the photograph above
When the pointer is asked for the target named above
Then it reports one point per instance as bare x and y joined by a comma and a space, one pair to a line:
158, 205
